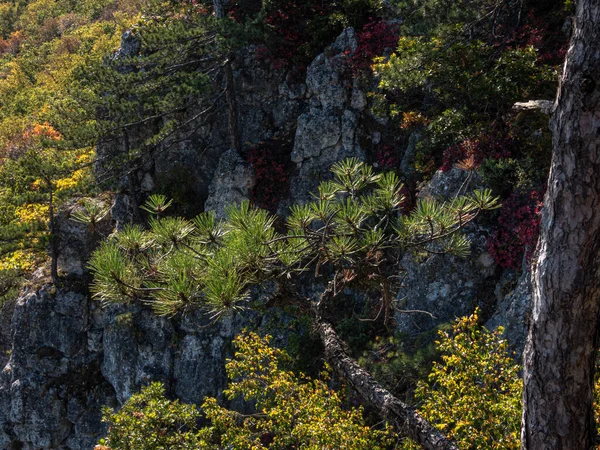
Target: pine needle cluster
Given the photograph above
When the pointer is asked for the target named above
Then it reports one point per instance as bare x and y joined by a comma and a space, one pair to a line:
353, 231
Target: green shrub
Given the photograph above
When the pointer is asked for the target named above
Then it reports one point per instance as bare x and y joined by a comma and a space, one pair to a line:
474, 393
292, 412
149, 421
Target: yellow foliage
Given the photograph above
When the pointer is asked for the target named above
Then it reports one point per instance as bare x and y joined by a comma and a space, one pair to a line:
79, 176
70, 182
25, 260
474, 393
412, 119
293, 412
32, 212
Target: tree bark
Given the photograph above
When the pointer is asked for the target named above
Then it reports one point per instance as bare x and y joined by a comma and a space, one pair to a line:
53, 237
561, 345
234, 132
405, 420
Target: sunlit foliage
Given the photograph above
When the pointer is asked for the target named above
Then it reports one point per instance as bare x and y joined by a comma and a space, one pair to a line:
474, 393
42, 44
291, 412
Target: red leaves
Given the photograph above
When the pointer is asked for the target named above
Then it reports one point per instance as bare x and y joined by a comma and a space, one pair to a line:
375, 37
495, 145
388, 157
519, 224
271, 175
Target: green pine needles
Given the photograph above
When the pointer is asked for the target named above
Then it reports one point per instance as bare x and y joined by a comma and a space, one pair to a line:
354, 231
161, 88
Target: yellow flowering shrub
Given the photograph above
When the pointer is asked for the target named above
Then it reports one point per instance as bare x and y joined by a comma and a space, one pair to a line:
32, 212
70, 182
25, 260
79, 177
292, 412
474, 393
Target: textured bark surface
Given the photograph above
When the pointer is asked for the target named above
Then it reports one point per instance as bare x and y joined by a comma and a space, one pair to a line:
561, 348
405, 420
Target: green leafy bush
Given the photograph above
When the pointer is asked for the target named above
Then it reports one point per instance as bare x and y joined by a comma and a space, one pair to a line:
149, 421
291, 412
474, 393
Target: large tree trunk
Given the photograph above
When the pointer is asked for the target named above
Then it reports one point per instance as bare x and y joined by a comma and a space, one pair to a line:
561, 346
405, 420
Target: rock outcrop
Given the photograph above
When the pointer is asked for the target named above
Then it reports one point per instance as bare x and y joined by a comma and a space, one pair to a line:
232, 183
328, 131
444, 287
513, 310
69, 356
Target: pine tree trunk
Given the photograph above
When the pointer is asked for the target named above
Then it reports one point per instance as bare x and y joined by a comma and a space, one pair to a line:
53, 237
234, 133
404, 419
561, 346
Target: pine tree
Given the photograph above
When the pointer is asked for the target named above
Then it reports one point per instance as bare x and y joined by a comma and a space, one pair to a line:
160, 88
351, 236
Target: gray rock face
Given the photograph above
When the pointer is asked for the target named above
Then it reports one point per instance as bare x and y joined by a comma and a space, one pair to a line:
445, 286
130, 45
232, 183
325, 79
446, 185
70, 357
76, 240
51, 389
513, 311
316, 132
328, 132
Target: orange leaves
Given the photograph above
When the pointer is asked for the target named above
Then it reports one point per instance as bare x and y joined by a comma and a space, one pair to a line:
12, 44
413, 119
44, 131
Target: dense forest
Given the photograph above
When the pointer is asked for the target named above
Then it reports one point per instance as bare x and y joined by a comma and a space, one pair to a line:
306, 224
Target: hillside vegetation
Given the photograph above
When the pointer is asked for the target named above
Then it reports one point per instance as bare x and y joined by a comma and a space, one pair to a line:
441, 81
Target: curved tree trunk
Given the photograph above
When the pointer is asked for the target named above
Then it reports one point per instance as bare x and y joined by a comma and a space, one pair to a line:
561, 346
405, 420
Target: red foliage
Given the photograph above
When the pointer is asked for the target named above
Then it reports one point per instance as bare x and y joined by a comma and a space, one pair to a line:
376, 36
12, 45
496, 145
536, 32
199, 7
519, 224
289, 22
388, 157
271, 174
